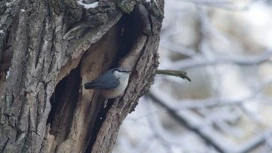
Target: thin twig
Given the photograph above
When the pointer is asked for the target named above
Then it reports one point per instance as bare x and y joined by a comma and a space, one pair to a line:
181, 74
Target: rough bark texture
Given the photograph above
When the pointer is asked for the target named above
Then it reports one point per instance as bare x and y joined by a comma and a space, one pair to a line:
48, 50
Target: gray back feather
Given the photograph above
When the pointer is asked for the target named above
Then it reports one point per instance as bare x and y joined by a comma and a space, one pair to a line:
106, 81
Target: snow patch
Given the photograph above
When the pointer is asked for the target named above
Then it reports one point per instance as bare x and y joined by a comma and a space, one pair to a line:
7, 75
88, 6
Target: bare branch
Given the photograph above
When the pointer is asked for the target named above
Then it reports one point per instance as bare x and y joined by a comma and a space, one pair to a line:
208, 135
181, 74
185, 123
242, 61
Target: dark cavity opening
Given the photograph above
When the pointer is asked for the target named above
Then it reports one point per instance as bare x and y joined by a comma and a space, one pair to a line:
63, 101
130, 30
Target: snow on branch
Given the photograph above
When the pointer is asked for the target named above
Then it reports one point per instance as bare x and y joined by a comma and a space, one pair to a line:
87, 6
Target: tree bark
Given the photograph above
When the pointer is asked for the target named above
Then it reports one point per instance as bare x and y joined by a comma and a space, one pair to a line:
48, 50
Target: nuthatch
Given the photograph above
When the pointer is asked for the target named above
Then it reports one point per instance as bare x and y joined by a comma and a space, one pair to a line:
112, 84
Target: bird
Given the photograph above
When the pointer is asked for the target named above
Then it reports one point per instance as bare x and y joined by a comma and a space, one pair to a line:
111, 84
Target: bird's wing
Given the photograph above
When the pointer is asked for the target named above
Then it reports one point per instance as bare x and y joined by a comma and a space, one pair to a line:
106, 81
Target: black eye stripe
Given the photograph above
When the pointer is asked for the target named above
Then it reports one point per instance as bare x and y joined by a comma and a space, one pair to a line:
122, 70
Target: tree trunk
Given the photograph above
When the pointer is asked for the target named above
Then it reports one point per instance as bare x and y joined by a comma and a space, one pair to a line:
49, 49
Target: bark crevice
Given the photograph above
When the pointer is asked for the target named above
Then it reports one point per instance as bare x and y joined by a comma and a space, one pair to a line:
63, 101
